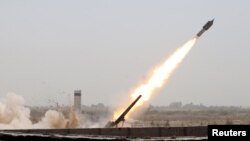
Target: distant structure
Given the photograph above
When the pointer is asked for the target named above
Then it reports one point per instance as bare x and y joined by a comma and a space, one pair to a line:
77, 101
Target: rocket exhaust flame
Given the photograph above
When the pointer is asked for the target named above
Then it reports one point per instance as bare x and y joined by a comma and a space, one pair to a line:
159, 76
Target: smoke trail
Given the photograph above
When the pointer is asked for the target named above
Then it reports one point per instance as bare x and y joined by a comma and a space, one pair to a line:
158, 76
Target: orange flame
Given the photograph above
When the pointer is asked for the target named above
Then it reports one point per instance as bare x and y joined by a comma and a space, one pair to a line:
158, 76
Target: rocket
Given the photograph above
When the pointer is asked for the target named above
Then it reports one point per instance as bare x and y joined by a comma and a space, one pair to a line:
205, 28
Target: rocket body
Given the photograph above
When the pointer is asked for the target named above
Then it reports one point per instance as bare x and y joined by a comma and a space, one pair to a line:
205, 28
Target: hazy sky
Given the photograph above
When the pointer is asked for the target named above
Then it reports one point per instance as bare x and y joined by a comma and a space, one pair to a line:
50, 48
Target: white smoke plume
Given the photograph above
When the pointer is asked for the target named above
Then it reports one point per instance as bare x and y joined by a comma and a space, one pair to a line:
14, 115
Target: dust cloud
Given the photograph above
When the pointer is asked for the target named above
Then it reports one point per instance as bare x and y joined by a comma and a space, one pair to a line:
14, 115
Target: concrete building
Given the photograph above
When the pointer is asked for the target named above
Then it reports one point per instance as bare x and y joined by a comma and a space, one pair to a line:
77, 101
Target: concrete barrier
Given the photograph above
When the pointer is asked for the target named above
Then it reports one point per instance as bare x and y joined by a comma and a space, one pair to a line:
200, 131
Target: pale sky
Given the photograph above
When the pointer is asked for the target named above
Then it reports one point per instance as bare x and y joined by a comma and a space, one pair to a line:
50, 48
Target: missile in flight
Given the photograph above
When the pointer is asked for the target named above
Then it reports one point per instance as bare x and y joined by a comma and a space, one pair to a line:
205, 28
